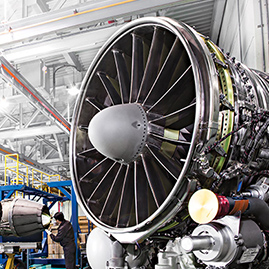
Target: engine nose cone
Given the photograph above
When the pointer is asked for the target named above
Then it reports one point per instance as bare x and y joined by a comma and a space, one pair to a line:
119, 132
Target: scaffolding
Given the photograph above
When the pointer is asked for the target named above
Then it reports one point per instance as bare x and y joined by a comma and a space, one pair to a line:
17, 173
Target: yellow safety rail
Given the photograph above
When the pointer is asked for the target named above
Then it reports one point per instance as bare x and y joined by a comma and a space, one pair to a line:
40, 179
17, 171
18, 174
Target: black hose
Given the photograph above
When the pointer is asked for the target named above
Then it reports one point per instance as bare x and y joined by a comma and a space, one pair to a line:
260, 210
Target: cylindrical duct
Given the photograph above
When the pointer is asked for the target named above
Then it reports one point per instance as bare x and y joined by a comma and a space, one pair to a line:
23, 217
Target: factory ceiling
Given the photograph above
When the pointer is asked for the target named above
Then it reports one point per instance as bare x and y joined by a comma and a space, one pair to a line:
52, 43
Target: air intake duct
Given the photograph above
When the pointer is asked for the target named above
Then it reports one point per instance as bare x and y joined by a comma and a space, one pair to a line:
21, 217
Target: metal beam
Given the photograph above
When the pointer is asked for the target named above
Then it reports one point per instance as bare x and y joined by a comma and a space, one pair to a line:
5, 113
87, 14
32, 151
41, 138
72, 42
58, 147
2, 123
217, 19
48, 154
35, 114
30, 132
56, 161
9, 144
56, 184
72, 59
42, 5
27, 161
9, 116
58, 5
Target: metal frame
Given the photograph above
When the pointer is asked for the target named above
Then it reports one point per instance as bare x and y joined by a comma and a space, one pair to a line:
9, 73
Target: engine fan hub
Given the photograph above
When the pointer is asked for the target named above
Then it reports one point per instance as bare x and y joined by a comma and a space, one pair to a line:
119, 132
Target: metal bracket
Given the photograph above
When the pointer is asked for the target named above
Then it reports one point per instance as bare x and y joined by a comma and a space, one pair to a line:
225, 102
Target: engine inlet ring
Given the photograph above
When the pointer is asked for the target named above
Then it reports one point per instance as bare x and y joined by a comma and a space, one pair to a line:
164, 67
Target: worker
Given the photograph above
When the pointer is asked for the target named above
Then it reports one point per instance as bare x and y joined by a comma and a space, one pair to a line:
66, 238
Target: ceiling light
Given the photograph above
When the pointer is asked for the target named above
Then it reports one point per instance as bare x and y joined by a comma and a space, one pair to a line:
73, 90
3, 102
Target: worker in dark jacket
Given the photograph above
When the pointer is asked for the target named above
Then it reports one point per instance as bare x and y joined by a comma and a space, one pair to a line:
65, 237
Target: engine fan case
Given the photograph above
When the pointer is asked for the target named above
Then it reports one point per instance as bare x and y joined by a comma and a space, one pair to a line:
165, 67
124, 72
24, 217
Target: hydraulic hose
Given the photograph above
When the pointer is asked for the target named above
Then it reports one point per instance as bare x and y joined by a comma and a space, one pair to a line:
260, 210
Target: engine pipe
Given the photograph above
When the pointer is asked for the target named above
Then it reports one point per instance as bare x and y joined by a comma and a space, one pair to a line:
226, 206
21, 217
198, 242
217, 245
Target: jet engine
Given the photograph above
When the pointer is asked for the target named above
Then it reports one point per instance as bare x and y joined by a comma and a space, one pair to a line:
169, 152
21, 217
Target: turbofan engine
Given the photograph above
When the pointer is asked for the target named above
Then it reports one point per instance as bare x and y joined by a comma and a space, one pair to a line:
169, 152
21, 217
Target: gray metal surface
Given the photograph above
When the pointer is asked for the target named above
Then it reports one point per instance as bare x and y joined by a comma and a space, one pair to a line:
9, 246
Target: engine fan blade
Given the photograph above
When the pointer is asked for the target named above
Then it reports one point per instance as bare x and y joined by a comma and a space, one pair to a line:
137, 65
111, 91
126, 211
123, 75
162, 81
153, 63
